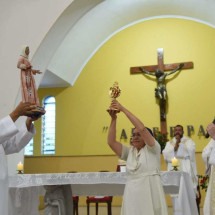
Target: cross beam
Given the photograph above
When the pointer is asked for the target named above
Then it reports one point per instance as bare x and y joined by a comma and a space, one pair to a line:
160, 71
161, 66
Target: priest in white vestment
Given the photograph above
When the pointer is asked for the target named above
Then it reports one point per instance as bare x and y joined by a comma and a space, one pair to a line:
12, 140
143, 194
183, 149
208, 155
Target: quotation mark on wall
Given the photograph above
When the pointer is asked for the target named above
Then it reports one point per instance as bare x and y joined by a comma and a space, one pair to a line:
105, 128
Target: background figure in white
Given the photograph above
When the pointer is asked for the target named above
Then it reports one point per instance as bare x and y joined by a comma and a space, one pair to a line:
143, 194
208, 155
182, 148
12, 140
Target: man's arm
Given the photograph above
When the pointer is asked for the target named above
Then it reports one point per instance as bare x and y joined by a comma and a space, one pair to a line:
7, 129
29, 123
17, 139
17, 142
7, 125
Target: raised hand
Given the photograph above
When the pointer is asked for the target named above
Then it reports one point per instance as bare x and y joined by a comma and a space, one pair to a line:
23, 109
115, 105
29, 121
113, 113
36, 71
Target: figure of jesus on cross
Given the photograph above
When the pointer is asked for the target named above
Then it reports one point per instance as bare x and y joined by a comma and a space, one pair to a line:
160, 91
161, 71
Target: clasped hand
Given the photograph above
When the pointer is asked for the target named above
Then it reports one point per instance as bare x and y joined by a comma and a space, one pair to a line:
116, 105
114, 108
178, 140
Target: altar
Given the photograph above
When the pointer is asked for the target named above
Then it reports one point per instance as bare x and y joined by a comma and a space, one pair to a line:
25, 189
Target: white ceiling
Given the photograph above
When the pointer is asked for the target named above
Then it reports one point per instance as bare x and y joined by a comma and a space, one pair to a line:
87, 24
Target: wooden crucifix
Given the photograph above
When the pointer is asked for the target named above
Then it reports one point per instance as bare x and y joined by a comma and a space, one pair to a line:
160, 72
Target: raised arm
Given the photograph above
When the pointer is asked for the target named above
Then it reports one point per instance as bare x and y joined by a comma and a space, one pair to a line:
35, 71
114, 145
147, 137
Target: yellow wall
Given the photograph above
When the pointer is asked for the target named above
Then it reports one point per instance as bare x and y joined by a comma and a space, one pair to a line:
81, 110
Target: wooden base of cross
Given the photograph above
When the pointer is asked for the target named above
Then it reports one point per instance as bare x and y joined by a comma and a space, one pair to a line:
163, 124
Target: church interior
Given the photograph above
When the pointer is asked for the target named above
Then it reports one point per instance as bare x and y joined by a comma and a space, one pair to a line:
82, 47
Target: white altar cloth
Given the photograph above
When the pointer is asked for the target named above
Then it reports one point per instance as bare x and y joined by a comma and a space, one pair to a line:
25, 188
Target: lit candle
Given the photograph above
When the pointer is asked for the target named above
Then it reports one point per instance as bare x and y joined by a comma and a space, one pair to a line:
20, 166
175, 162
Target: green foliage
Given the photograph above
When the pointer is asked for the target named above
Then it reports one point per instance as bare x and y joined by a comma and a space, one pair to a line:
203, 182
161, 138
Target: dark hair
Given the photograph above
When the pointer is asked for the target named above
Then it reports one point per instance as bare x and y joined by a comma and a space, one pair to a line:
179, 126
150, 131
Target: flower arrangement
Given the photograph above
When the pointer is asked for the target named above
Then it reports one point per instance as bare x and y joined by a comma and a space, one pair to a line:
203, 182
161, 138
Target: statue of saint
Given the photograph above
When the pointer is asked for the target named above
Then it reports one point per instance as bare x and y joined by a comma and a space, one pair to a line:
28, 86
160, 91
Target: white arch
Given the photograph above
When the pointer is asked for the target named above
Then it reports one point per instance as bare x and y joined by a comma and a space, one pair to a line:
101, 21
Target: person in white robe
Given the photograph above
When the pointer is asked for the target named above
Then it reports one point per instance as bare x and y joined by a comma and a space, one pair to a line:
12, 140
143, 194
208, 155
183, 149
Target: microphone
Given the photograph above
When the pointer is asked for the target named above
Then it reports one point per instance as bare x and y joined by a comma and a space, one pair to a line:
208, 135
